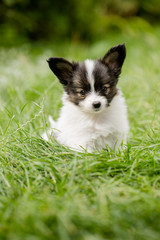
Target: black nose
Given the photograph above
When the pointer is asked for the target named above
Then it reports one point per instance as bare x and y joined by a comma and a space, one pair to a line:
96, 105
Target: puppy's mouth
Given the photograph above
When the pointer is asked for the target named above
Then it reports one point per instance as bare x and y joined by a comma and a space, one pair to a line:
97, 110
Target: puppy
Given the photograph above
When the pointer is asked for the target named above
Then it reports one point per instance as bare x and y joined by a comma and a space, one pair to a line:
94, 113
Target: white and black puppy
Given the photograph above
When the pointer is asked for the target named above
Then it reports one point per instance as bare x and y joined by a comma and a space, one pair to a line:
94, 112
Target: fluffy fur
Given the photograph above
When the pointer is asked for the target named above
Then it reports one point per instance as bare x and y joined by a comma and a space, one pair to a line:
94, 112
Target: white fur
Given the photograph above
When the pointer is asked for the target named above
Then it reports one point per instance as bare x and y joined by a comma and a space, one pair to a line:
82, 130
89, 64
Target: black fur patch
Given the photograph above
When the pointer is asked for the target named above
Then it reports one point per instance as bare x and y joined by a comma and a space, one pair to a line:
62, 68
114, 59
104, 78
79, 82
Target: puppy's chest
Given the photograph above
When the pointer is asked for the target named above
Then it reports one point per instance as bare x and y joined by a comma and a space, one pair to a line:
98, 129
95, 136
75, 130
92, 128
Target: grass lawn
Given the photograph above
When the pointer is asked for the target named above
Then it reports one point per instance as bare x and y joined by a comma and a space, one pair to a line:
50, 192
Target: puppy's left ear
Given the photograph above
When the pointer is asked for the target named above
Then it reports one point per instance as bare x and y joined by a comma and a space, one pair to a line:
62, 68
114, 59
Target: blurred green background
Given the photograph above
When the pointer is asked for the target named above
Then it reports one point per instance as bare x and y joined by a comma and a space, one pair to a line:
85, 20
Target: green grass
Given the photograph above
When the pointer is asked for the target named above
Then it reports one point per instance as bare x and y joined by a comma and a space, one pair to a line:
50, 192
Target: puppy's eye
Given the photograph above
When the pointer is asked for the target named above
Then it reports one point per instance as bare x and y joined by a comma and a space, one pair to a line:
82, 92
104, 89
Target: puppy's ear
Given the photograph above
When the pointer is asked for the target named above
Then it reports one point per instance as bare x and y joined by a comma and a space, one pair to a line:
114, 58
62, 68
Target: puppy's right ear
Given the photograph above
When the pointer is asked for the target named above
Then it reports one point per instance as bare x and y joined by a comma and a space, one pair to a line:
62, 68
114, 58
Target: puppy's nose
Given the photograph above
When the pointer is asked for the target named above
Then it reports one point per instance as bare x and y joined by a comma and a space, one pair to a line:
96, 105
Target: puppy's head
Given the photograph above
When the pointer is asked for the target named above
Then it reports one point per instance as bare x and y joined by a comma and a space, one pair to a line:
91, 84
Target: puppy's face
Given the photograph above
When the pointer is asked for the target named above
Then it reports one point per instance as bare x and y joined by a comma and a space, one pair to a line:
91, 85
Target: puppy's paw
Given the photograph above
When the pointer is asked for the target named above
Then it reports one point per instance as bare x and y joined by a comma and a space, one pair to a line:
45, 136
